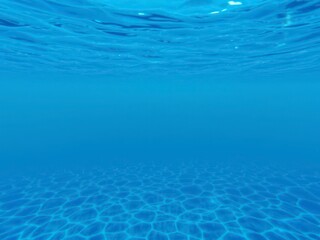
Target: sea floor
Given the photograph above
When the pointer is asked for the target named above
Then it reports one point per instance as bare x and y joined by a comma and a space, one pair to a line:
150, 202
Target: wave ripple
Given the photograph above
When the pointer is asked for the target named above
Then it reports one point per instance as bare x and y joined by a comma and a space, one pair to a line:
181, 36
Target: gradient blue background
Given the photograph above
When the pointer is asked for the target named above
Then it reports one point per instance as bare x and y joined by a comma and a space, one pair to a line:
47, 118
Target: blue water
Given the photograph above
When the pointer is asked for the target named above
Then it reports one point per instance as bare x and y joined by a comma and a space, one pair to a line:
169, 120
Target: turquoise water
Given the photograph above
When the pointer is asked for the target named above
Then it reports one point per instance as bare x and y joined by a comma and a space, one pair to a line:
159, 120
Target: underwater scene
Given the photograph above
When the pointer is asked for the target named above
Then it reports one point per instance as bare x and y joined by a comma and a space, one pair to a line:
159, 120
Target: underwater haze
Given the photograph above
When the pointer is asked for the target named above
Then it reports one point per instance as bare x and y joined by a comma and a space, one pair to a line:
159, 120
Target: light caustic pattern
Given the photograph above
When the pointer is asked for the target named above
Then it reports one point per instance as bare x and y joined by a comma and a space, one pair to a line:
95, 36
162, 203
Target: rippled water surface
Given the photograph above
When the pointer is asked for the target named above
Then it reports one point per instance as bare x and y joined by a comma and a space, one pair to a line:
199, 36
